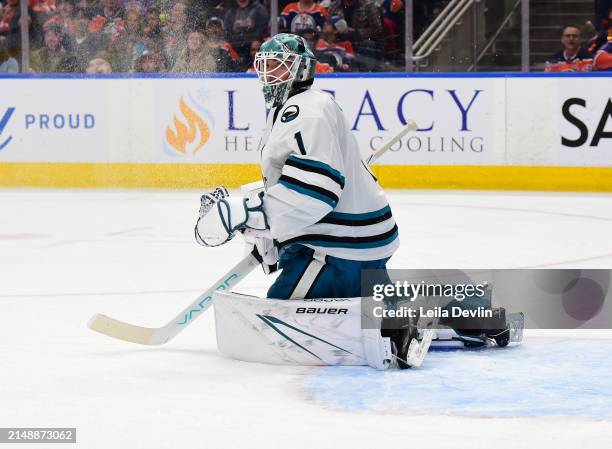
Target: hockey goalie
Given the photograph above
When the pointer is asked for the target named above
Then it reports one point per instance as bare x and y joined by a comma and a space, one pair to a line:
320, 217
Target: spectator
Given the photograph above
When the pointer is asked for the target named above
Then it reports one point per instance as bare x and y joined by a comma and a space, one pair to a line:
245, 21
303, 15
193, 58
174, 34
393, 19
48, 58
603, 58
254, 48
572, 50
9, 26
110, 20
149, 62
41, 11
362, 16
65, 19
226, 58
330, 48
134, 27
326, 64
8, 64
123, 52
133, 19
310, 35
602, 37
84, 44
98, 65
152, 30
364, 30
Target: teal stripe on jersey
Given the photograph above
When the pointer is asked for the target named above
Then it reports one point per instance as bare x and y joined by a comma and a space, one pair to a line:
340, 244
318, 165
308, 192
357, 217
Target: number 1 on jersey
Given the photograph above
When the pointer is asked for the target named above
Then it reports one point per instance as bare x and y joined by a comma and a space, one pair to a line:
300, 142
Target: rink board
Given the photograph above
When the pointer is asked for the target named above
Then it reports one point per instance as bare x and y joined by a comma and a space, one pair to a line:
490, 131
175, 176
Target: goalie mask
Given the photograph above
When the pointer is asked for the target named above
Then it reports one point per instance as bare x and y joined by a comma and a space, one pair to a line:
284, 64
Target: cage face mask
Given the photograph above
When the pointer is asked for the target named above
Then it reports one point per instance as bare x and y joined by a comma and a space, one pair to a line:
276, 71
283, 64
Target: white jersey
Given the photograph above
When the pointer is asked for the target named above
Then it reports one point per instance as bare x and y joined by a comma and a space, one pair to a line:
319, 192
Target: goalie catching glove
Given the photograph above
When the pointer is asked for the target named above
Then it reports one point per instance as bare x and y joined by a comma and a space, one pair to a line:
222, 216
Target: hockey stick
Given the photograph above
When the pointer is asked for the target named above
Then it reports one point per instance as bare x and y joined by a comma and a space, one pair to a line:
160, 335
410, 126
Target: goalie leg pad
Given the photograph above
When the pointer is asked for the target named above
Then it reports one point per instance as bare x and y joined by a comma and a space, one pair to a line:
324, 331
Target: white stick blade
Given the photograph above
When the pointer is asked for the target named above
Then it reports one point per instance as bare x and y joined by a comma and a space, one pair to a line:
120, 330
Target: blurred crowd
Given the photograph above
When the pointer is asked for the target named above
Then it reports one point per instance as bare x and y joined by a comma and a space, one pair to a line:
194, 36
197, 36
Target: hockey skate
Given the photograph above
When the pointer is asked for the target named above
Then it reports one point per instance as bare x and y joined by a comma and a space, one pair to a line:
500, 330
406, 347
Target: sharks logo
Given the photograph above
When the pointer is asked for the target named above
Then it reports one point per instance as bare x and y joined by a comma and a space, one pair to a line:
291, 112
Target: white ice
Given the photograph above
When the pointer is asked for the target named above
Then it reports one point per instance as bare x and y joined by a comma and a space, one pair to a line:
65, 255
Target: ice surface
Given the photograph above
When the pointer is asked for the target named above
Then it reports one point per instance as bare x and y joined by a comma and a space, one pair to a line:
544, 377
65, 255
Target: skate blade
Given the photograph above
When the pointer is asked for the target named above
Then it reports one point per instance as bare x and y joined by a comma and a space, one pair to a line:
418, 350
516, 324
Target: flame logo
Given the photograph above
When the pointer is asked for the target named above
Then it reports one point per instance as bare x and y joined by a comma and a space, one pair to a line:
186, 133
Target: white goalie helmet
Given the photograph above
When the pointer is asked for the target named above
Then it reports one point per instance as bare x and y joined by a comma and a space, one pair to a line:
284, 64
